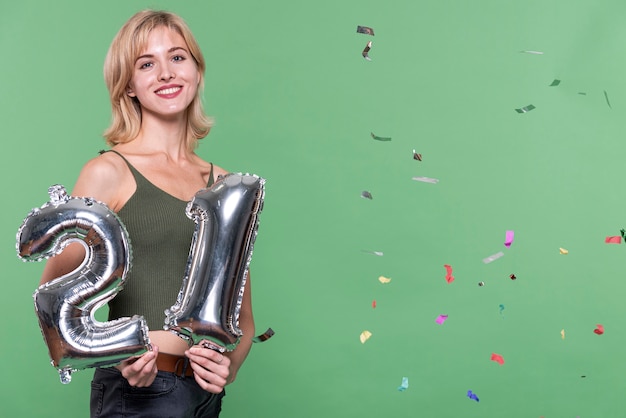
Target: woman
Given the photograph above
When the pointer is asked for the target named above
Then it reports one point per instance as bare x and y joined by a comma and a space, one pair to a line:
154, 71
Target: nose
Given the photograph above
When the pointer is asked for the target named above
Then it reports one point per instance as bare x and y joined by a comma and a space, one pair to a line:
166, 73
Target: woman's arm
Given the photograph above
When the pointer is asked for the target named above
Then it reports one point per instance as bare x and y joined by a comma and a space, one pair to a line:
96, 180
213, 370
246, 324
103, 179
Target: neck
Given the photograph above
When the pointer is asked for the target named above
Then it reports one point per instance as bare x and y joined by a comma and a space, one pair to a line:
163, 135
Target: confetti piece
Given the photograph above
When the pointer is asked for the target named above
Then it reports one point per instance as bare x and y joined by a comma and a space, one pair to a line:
365, 335
533, 52
481, 283
599, 329
508, 239
613, 240
606, 96
366, 51
366, 195
497, 358
384, 279
263, 337
582, 93
562, 334
365, 30
513, 277
555, 83
378, 253
563, 251
426, 180
501, 307
441, 319
417, 156
493, 257
374, 304
449, 276
404, 385
472, 395
380, 138
525, 109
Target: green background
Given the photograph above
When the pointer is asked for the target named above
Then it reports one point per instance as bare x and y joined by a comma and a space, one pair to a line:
295, 102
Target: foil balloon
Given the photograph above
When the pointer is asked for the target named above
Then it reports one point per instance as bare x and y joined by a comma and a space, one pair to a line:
66, 305
209, 302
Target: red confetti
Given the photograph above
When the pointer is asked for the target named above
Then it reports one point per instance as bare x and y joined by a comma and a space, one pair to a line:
374, 303
513, 277
599, 329
449, 276
497, 358
613, 240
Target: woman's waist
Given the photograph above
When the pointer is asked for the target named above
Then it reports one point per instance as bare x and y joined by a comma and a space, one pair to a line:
168, 342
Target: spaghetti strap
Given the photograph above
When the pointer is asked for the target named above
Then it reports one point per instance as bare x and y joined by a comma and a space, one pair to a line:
211, 179
136, 174
141, 178
113, 151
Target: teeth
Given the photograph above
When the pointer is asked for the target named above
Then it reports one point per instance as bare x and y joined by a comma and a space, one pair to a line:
168, 91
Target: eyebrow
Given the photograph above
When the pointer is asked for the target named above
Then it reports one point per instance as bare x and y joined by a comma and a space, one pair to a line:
175, 48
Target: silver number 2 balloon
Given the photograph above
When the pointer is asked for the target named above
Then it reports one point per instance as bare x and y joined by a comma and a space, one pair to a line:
65, 306
209, 301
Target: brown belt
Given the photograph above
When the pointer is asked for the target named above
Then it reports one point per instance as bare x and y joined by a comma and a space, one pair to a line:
179, 365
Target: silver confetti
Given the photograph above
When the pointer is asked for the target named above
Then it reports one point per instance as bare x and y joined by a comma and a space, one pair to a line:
493, 257
426, 180
366, 51
365, 30
525, 109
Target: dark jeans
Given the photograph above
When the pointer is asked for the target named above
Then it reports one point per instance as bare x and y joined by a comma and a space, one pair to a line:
170, 396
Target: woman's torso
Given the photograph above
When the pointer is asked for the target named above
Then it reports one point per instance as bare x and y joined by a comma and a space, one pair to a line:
160, 235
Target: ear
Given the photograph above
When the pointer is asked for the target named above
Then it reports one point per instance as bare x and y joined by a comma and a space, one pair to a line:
130, 92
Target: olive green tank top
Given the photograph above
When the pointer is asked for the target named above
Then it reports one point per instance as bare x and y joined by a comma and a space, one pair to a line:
160, 238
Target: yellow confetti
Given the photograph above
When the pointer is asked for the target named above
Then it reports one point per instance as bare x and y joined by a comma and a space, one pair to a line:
563, 251
563, 334
384, 279
365, 335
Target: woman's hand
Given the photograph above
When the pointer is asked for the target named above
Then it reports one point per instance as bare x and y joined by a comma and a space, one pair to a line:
211, 368
140, 371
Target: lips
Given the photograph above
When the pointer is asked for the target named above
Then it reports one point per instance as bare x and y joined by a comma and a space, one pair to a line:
169, 91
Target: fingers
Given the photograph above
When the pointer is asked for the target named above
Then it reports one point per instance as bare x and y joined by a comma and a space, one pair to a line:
141, 371
211, 368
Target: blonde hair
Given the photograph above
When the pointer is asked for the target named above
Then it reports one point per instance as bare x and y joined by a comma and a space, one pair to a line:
128, 44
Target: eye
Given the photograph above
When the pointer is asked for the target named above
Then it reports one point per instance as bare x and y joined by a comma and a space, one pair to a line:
178, 58
145, 65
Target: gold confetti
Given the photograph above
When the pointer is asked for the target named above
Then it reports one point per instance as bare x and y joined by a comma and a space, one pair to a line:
562, 334
563, 251
365, 335
384, 279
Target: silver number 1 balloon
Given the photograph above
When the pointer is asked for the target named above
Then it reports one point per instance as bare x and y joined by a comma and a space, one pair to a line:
66, 305
209, 302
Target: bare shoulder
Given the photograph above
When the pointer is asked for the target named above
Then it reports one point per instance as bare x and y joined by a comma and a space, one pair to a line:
105, 178
219, 171
208, 166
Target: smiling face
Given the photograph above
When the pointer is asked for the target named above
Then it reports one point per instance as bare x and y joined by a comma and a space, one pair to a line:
165, 76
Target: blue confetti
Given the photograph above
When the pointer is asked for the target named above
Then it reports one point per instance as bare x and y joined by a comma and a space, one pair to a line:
472, 396
405, 384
